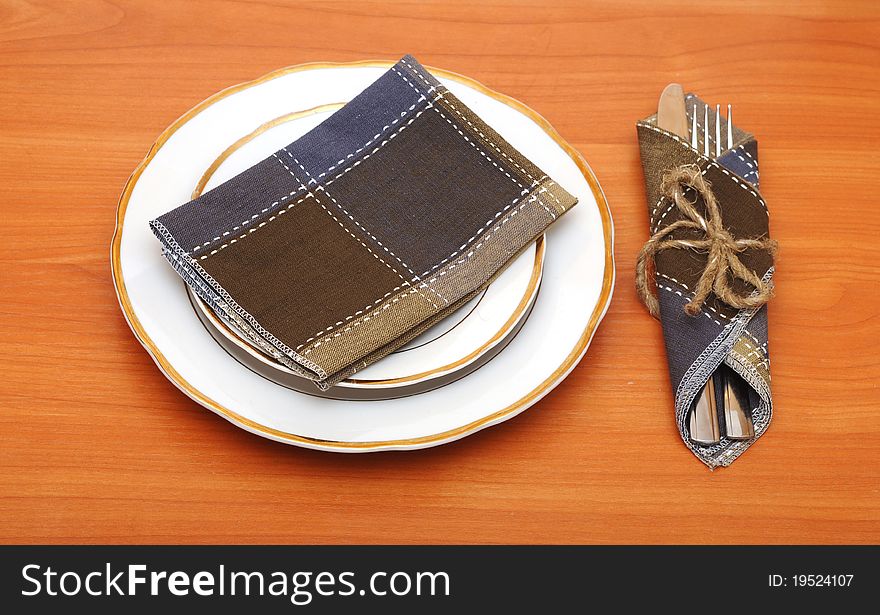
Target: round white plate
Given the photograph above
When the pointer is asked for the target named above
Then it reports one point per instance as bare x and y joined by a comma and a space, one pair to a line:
578, 276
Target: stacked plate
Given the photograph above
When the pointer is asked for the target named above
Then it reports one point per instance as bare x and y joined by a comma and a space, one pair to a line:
492, 359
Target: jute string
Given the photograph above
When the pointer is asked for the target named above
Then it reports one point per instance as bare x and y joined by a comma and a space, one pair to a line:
722, 249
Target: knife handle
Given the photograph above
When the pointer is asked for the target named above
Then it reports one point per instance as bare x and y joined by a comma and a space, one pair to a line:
703, 424
738, 424
671, 111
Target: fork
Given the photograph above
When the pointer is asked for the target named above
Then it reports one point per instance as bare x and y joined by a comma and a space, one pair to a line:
724, 386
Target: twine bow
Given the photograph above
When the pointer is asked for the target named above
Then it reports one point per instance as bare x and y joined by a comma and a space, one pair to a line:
721, 247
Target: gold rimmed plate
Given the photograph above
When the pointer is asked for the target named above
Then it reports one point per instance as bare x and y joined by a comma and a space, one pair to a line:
577, 274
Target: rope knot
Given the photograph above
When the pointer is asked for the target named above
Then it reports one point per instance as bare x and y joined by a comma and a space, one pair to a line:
719, 245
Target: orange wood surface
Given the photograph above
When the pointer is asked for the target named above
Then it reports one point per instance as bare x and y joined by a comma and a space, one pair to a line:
97, 446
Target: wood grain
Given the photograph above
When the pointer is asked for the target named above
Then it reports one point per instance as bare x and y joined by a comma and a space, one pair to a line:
97, 446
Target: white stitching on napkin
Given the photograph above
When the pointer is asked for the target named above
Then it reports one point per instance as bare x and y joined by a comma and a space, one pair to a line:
486, 139
478, 148
446, 270
656, 226
347, 318
360, 226
685, 286
738, 155
403, 114
379, 258
431, 87
260, 225
492, 143
458, 130
251, 219
500, 224
357, 323
328, 183
275, 155
753, 168
177, 250
381, 245
699, 371
755, 339
654, 210
378, 147
686, 296
492, 220
756, 352
509, 205
710, 164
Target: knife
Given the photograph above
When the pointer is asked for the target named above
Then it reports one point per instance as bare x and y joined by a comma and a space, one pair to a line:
703, 424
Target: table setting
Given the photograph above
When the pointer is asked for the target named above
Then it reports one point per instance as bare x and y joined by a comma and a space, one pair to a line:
712, 263
552, 406
386, 256
444, 297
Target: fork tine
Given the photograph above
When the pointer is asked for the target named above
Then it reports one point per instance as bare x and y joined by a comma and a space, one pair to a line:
706, 130
718, 131
729, 127
694, 143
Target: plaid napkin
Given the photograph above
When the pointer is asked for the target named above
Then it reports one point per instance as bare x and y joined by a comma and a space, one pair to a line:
732, 330
352, 240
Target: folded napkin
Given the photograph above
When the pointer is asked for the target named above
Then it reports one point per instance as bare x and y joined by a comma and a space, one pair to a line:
713, 264
355, 238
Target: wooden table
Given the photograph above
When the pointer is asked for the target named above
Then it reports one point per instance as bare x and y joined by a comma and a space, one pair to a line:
97, 446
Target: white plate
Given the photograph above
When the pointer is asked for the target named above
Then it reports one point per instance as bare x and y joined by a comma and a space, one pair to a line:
576, 288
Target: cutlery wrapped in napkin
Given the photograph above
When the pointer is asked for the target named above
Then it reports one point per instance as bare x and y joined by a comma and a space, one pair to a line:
712, 262
352, 240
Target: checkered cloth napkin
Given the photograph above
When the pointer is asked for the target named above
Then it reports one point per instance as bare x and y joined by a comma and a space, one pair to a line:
718, 332
352, 240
